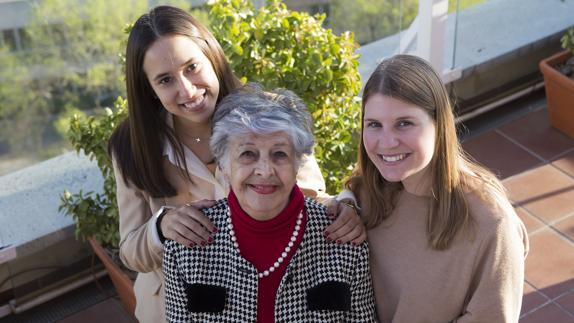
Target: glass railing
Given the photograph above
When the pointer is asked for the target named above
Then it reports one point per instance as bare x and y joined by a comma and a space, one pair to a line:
457, 35
63, 61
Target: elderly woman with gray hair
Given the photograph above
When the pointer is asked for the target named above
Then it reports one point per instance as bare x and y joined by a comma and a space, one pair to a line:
270, 261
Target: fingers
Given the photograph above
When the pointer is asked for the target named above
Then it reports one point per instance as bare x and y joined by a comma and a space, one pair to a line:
198, 216
188, 226
332, 207
183, 240
193, 229
361, 238
339, 229
202, 204
347, 227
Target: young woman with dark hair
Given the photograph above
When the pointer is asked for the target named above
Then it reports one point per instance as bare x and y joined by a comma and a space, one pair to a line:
176, 74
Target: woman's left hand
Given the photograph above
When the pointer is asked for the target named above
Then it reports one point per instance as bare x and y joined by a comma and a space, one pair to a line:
347, 225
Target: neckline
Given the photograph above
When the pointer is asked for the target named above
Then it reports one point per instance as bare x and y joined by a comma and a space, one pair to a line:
284, 254
192, 161
415, 195
295, 205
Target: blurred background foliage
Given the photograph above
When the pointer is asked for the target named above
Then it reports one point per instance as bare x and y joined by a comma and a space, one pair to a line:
67, 61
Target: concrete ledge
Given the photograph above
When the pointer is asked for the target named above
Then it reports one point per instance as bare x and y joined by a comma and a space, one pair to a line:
30, 220
29, 200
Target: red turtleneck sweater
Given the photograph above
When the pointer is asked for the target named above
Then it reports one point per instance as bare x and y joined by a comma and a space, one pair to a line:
262, 242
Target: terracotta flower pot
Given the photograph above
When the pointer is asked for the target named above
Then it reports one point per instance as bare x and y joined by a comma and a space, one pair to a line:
559, 93
123, 284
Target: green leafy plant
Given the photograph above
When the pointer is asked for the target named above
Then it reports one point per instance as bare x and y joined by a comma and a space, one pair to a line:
96, 214
282, 48
568, 40
273, 46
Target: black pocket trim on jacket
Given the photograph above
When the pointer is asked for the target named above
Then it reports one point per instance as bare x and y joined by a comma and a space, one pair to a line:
202, 298
329, 296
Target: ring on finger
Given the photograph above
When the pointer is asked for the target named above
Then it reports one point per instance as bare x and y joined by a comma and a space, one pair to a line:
351, 205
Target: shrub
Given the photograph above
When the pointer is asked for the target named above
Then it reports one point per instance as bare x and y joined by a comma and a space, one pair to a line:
282, 48
96, 215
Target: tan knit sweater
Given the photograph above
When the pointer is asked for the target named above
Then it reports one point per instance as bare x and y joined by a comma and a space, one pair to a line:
478, 279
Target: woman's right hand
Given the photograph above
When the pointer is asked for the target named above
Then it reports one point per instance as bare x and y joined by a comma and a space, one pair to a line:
187, 225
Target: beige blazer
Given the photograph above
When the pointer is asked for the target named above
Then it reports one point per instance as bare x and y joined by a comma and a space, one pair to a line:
140, 249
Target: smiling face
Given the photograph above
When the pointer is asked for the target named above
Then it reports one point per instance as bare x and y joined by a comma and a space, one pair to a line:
262, 171
182, 77
399, 138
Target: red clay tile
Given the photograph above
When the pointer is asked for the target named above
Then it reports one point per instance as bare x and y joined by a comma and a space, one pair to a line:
549, 263
548, 313
530, 222
531, 299
535, 133
566, 163
567, 302
566, 227
545, 192
487, 149
110, 310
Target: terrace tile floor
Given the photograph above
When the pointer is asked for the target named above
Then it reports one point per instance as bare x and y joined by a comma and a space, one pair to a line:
536, 163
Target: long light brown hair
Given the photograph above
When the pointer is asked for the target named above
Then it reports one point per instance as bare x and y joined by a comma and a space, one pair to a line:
412, 80
137, 143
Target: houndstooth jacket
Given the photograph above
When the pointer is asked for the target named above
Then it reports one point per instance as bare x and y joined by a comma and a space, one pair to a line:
324, 282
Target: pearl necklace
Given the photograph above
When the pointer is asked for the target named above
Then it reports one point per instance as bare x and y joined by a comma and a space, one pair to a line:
283, 254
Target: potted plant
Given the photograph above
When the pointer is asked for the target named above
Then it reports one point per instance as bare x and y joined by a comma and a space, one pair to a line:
558, 71
96, 214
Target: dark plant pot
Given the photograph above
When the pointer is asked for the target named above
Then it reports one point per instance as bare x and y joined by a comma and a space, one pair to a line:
122, 282
559, 93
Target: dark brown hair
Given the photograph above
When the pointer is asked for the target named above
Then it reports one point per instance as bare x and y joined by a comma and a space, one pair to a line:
412, 80
137, 144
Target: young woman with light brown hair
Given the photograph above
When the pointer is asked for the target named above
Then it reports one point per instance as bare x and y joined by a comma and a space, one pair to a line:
446, 244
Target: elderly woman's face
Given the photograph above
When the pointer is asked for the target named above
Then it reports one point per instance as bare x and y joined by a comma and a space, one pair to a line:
262, 171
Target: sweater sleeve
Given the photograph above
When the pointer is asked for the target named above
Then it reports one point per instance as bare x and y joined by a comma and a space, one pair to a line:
362, 296
496, 293
139, 249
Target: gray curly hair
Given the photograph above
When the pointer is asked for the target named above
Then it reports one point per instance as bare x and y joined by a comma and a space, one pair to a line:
251, 110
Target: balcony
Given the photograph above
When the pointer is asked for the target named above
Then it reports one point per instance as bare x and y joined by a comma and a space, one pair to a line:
515, 140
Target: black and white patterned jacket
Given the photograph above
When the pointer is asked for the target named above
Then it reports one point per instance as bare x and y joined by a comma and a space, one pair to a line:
324, 282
